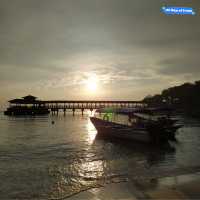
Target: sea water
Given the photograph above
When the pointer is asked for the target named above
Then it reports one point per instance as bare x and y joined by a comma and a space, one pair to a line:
44, 160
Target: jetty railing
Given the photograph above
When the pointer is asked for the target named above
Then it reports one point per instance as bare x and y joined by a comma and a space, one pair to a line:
63, 105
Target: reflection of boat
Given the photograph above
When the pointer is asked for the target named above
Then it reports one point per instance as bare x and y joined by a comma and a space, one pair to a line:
140, 127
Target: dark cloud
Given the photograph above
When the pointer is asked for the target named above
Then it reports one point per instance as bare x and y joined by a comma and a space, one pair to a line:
180, 65
191, 40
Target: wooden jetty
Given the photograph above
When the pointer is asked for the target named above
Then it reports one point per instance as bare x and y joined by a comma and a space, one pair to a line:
63, 105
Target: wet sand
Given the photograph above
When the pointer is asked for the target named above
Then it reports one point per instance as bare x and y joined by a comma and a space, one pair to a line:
177, 187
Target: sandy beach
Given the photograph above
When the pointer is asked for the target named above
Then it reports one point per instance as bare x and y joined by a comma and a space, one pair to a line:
185, 186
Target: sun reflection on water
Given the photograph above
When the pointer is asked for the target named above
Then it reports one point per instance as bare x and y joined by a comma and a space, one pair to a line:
90, 171
91, 113
91, 131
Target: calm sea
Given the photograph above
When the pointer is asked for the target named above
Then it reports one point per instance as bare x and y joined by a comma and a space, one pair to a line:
41, 160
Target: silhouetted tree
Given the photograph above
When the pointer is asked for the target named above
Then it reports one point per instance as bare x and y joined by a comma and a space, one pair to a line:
185, 97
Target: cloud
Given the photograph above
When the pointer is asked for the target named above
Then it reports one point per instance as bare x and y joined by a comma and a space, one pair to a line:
180, 65
128, 44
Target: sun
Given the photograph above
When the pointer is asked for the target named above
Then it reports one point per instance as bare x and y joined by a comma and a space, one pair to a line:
91, 84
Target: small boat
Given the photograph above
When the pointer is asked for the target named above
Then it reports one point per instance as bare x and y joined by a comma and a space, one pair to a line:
142, 128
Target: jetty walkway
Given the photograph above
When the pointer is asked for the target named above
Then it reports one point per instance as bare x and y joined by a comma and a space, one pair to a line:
55, 106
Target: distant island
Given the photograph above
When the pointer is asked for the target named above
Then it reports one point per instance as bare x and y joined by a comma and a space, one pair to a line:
184, 98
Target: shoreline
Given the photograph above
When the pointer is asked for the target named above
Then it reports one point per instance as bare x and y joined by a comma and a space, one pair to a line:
185, 186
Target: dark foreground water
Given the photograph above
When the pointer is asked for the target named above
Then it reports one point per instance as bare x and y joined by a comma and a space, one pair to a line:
41, 160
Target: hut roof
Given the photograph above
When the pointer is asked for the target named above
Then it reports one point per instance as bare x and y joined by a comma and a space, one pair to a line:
25, 100
16, 101
29, 97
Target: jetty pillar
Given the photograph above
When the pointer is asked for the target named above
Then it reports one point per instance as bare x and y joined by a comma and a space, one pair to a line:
82, 110
73, 110
64, 110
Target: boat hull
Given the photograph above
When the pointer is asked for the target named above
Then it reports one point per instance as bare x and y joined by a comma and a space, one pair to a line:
114, 130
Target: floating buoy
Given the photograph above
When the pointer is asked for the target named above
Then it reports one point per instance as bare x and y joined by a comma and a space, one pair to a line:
52, 122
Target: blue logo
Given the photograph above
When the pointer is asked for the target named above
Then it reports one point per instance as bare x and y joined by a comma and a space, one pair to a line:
168, 10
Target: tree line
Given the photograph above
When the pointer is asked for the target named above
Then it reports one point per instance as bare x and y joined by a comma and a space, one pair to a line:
184, 98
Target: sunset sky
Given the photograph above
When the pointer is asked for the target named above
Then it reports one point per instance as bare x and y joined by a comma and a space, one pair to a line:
95, 49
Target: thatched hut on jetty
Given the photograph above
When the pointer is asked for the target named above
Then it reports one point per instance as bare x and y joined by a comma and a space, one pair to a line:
28, 105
